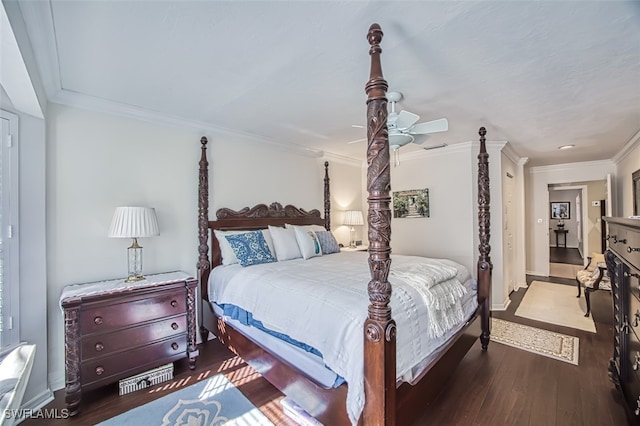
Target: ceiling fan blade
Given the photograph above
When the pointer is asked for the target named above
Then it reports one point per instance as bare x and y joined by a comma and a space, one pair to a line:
441, 125
406, 119
420, 139
356, 141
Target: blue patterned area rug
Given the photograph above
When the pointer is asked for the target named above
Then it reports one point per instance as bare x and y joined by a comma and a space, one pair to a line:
214, 401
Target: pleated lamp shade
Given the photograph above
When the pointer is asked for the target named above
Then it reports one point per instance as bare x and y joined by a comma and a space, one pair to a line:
134, 222
353, 217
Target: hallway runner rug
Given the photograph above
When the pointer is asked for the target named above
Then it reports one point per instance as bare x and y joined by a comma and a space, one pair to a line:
215, 401
542, 342
555, 304
564, 270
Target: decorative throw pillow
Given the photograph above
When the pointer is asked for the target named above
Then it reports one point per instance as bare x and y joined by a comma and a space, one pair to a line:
328, 243
228, 256
284, 243
308, 242
250, 248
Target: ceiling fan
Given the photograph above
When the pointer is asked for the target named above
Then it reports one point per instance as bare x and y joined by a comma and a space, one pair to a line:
404, 129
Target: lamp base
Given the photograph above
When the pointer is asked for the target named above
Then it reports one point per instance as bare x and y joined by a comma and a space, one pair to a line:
134, 278
134, 261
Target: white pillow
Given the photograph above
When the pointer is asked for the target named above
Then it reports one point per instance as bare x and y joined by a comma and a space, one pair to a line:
284, 243
308, 242
228, 256
306, 227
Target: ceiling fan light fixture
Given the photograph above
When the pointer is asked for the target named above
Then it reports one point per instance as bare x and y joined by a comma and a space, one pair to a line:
399, 139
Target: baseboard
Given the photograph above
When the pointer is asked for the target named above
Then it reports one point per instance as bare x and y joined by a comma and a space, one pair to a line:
521, 285
501, 307
537, 273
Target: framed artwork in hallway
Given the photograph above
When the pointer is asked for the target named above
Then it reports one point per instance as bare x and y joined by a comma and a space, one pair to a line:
561, 210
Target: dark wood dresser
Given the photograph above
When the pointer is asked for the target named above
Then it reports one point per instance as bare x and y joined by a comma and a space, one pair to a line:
114, 329
623, 265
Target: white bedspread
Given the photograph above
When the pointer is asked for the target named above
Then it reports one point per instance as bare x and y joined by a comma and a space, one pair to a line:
323, 302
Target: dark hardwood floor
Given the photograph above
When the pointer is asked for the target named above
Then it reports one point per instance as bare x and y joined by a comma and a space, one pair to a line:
565, 255
504, 386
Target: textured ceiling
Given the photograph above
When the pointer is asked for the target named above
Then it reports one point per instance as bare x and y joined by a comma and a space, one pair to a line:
535, 74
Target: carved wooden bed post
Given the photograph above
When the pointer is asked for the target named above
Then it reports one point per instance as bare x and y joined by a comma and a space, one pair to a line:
484, 220
327, 198
204, 264
379, 328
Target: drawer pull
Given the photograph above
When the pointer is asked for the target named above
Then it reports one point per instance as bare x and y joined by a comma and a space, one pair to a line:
175, 325
624, 327
636, 363
629, 274
622, 241
637, 411
174, 303
98, 320
632, 249
99, 370
174, 346
99, 346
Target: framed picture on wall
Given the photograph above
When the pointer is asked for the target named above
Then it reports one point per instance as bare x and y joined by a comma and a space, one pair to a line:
560, 210
412, 203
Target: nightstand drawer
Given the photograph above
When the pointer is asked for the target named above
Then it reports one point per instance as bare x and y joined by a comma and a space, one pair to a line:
104, 318
122, 364
115, 329
104, 344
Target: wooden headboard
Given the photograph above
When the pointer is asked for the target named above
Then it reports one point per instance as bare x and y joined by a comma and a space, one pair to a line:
248, 218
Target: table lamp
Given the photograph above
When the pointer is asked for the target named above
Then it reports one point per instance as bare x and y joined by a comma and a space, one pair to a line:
134, 222
353, 218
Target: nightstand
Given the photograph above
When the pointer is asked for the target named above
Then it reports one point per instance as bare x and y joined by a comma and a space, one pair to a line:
113, 329
356, 248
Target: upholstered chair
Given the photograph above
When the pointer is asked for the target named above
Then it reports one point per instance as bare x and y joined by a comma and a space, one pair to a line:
593, 277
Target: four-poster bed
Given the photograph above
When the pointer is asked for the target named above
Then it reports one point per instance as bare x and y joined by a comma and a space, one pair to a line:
387, 395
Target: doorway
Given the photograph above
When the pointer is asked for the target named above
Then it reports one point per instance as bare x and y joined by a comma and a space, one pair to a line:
567, 244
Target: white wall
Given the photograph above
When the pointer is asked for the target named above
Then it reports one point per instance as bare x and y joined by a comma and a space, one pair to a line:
97, 162
628, 164
448, 173
537, 202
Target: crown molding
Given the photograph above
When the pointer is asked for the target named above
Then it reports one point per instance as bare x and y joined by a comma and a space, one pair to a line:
570, 166
91, 103
511, 153
627, 149
42, 37
339, 158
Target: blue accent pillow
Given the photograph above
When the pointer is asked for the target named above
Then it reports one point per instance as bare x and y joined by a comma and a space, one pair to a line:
250, 248
328, 242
